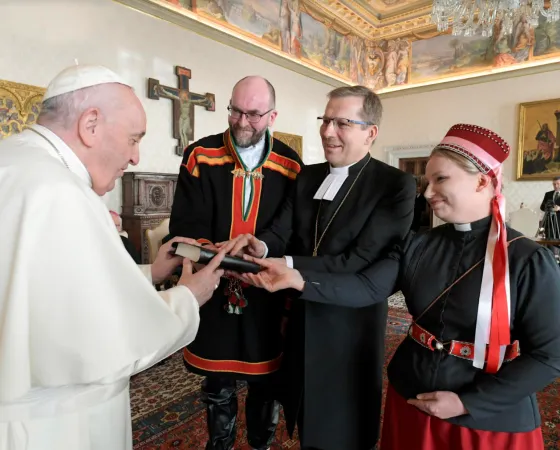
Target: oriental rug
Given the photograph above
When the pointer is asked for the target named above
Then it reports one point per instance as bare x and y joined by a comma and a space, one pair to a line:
167, 413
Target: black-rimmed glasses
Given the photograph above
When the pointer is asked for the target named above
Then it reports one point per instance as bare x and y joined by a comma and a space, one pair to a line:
341, 123
252, 117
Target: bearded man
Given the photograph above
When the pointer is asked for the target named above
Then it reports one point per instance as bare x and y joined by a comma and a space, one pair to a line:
231, 184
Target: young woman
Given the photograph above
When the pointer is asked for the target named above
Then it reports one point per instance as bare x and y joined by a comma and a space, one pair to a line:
485, 303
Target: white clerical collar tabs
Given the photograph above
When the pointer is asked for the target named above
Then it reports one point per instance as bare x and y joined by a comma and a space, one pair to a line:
79, 77
340, 170
462, 226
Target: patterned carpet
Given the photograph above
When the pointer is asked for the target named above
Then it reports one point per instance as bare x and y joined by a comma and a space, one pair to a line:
167, 412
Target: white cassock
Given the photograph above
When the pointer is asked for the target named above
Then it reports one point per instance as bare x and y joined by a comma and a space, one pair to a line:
77, 316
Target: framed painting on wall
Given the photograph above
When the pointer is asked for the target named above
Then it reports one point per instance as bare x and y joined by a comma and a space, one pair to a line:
19, 106
538, 154
291, 140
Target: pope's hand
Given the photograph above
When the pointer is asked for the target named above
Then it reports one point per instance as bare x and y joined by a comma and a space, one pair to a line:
243, 244
166, 262
442, 404
203, 283
274, 276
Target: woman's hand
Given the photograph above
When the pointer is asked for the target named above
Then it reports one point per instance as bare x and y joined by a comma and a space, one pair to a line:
442, 404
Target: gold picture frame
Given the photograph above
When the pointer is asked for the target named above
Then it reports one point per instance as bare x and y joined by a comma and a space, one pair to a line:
20, 105
538, 153
291, 140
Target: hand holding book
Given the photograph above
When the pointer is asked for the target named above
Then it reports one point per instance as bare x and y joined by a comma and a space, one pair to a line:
203, 255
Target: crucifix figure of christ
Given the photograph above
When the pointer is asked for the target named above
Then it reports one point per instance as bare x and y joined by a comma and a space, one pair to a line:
184, 102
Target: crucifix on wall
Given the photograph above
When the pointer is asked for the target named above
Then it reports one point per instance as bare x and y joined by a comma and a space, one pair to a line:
184, 102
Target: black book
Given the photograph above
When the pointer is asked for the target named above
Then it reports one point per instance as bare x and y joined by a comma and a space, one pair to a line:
203, 255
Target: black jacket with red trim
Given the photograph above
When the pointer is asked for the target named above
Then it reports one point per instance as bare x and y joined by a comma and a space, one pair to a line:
208, 206
423, 266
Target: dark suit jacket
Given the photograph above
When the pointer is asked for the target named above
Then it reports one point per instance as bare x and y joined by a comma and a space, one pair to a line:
338, 381
419, 212
547, 198
551, 231
131, 249
501, 402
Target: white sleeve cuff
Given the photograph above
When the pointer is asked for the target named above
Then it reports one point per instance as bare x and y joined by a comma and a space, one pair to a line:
265, 249
289, 261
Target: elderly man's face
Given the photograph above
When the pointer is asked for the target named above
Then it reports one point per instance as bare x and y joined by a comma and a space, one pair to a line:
253, 97
119, 131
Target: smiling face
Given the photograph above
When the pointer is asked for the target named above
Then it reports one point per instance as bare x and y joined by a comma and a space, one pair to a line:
457, 192
346, 144
112, 135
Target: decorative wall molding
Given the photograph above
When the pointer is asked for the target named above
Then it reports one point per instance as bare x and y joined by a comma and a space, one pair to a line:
370, 48
206, 28
396, 152
540, 67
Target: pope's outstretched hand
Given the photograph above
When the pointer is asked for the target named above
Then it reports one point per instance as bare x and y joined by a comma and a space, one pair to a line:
202, 283
205, 281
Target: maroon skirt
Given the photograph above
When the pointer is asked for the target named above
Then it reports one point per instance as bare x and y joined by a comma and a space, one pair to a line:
406, 427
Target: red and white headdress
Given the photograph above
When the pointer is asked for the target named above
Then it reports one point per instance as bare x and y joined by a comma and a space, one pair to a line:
487, 151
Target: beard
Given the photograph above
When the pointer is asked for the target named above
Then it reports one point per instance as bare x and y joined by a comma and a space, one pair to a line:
246, 136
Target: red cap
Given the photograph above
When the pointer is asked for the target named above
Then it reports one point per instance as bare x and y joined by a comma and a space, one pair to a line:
484, 148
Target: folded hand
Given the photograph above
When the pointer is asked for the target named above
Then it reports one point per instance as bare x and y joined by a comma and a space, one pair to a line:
442, 404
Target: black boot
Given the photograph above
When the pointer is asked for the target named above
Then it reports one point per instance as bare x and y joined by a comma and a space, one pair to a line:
221, 400
262, 414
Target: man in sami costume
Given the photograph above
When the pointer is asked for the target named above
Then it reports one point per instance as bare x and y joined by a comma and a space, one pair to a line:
485, 304
229, 184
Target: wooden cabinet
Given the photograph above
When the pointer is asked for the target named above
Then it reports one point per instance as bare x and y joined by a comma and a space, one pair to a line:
146, 201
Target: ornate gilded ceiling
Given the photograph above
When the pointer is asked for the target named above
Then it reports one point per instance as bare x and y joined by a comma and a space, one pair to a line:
387, 45
377, 19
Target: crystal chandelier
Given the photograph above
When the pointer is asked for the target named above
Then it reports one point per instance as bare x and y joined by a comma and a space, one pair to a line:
472, 17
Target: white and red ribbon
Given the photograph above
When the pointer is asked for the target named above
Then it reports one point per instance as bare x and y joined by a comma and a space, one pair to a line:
494, 305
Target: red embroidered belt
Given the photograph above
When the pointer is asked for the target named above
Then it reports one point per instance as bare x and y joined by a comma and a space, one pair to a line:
459, 349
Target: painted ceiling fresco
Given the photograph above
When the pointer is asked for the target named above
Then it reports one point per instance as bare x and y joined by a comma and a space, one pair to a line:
384, 44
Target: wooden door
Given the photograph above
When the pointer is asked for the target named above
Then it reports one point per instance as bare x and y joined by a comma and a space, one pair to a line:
414, 166
417, 168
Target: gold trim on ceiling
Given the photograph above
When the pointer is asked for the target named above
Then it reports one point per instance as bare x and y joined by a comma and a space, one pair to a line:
369, 26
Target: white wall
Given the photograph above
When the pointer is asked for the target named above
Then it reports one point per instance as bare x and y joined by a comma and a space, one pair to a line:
424, 118
41, 37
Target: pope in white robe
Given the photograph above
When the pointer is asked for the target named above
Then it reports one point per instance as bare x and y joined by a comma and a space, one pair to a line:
77, 316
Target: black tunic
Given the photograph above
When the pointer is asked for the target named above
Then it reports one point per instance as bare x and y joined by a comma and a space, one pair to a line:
428, 263
208, 206
334, 355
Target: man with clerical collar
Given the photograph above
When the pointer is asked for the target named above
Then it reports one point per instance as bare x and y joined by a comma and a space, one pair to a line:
229, 184
342, 216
